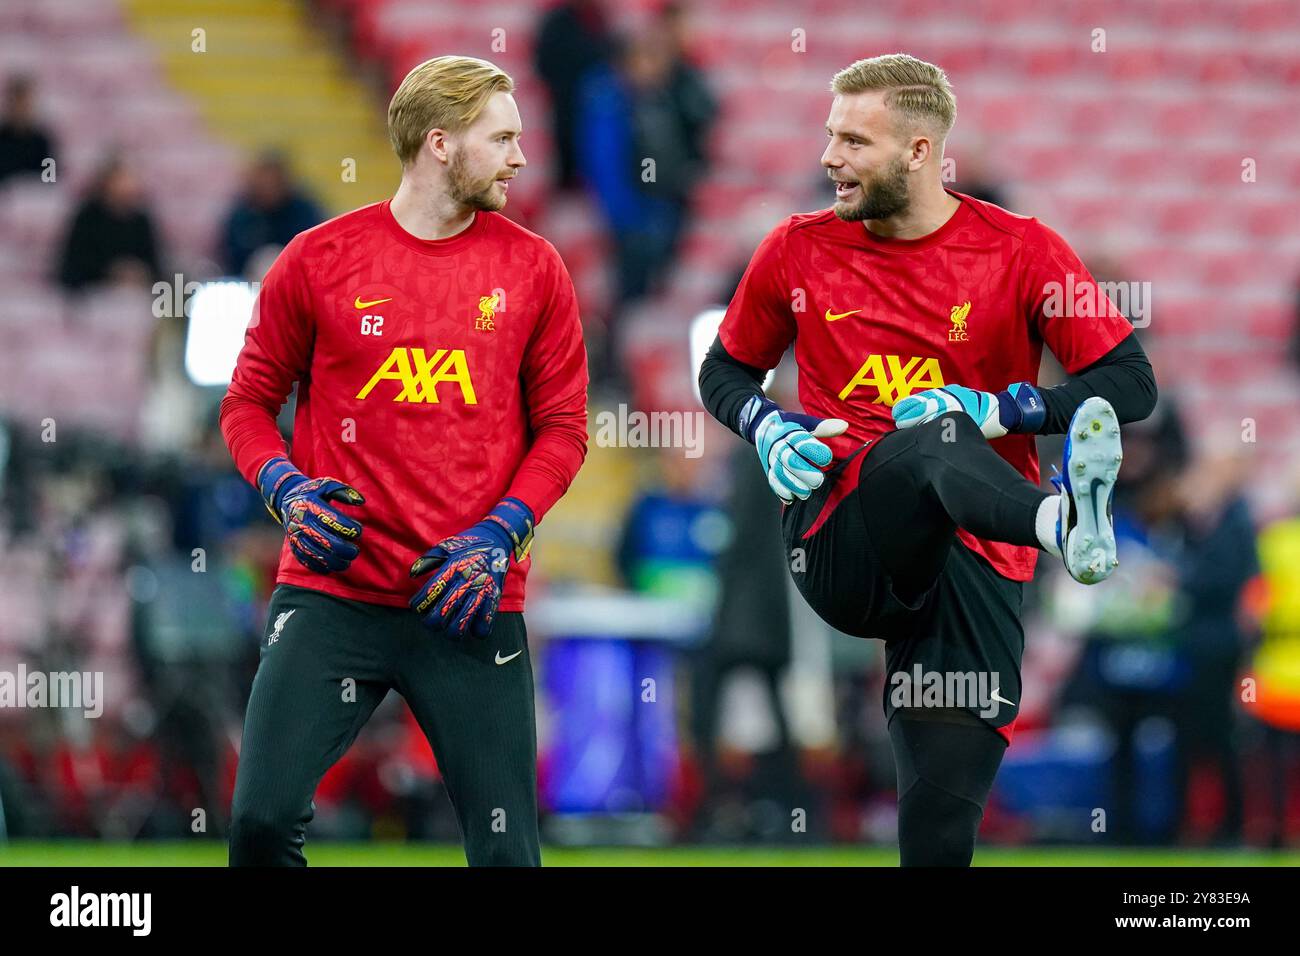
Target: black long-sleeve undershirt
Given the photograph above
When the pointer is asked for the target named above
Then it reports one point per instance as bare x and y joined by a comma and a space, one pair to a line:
727, 383
1123, 376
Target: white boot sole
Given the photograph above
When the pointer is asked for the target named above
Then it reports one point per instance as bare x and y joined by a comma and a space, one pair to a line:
1092, 468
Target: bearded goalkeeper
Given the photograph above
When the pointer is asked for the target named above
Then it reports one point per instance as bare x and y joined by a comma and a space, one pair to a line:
913, 512
442, 385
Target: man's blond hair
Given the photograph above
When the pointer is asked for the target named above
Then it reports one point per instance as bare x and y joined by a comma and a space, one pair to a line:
917, 91
447, 92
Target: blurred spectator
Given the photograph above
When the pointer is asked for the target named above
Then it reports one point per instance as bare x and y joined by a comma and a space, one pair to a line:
751, 629
611, 159
1153, 447
642, 122
572, 38
1275, 668
974, 178
24, 142
1163, 653
694, 102
112, 237
1130, 672
1219, 559
672, 535
270, 212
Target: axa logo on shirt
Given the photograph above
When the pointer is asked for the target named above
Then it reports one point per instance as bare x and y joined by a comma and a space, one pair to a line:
893, 377
419, 375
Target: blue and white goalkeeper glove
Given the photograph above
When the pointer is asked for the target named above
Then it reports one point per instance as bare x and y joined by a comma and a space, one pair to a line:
1017, 408
788, 446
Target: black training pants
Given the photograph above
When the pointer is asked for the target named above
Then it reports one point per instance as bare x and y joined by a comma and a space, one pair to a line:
326, 663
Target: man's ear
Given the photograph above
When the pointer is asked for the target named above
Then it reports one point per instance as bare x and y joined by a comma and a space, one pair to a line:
922, 149
436, 141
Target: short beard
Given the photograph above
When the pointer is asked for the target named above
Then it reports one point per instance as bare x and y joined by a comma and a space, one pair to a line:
469, 192
883, 197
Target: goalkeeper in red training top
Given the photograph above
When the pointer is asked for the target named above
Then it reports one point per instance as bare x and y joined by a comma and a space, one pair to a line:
914, 513
442, 383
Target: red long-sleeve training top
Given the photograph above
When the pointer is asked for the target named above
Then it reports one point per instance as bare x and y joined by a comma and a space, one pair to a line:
434, 376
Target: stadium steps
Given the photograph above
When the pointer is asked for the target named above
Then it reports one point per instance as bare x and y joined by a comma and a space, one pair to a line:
270, 79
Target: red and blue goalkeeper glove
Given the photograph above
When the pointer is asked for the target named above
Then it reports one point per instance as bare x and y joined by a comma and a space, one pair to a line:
321, 538
463, 595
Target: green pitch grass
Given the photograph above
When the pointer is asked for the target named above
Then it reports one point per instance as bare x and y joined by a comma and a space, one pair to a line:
212, 853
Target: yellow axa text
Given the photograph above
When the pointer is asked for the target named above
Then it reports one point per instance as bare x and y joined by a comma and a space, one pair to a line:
892, 377
420, 374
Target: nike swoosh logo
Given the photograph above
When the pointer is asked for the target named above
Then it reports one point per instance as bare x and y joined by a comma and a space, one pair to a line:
1096, 505
365, 305
836, 316
507, 660
999, 698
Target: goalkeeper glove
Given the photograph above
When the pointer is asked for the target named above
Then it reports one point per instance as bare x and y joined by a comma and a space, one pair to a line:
788, 446
1017, 408
322, 539
464, 594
